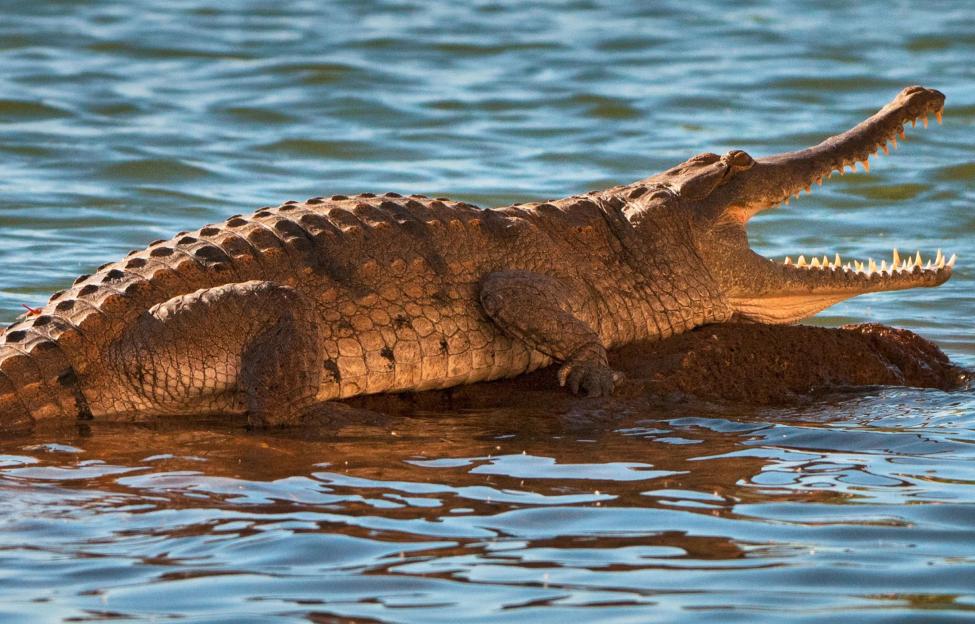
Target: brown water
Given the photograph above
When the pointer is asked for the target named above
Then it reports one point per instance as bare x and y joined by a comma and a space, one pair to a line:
123, 122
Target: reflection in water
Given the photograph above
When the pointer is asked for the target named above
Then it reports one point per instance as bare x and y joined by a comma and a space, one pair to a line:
125, 122
541, 512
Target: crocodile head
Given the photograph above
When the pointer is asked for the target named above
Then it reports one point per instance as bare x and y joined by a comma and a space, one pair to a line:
717, 195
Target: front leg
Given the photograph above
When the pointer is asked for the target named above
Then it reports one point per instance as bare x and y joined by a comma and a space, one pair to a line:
544, 313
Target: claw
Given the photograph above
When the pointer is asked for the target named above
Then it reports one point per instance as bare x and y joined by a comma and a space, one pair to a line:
590, 379
574, 380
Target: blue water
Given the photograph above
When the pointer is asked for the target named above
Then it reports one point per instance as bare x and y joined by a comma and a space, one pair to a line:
124, 122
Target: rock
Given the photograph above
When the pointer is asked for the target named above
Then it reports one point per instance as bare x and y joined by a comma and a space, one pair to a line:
741, 363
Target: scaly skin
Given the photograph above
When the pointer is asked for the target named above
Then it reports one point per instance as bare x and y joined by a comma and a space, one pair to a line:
276, 313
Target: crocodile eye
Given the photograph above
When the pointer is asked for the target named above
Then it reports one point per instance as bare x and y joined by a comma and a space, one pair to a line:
739, 159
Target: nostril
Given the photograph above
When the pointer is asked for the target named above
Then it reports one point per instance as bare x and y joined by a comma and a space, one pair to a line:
920, 101
910, 92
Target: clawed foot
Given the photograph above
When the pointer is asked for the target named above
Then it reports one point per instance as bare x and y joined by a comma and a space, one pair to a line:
593, 379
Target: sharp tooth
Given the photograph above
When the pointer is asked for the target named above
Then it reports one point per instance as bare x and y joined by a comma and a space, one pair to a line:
819, 180
917, 259
901, 133
837, 261
914, 123
925, 120
825, 262
886, 151
786, 201
846, 267
802, 261
815, 263
866, 165
951, 262
788, 261
858, 265
809, 188
939, 259
853, 167
871, 265
893, 141
937, 116
895, 259
928, 265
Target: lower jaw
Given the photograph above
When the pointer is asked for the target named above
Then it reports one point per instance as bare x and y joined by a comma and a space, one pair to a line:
777, 310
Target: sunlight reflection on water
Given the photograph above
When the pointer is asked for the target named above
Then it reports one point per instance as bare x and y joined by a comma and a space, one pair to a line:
125, 122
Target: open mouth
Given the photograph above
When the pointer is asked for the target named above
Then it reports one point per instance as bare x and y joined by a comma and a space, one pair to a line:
799, 286
835, 155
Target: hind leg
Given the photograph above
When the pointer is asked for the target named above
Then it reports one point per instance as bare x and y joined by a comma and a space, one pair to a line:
249, 347
280, 372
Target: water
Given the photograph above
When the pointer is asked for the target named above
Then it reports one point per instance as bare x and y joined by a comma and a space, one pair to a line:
125, 122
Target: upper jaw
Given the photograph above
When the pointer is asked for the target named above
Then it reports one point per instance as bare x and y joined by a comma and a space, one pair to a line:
774, 179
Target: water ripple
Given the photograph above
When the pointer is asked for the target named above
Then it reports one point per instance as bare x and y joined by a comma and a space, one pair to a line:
125, 122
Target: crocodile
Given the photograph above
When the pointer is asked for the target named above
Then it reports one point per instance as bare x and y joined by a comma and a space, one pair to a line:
273, 316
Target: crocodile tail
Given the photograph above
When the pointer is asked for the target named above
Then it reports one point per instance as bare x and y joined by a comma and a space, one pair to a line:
36, 381
13, 415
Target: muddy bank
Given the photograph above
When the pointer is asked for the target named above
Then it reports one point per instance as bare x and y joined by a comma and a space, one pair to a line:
749, 364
